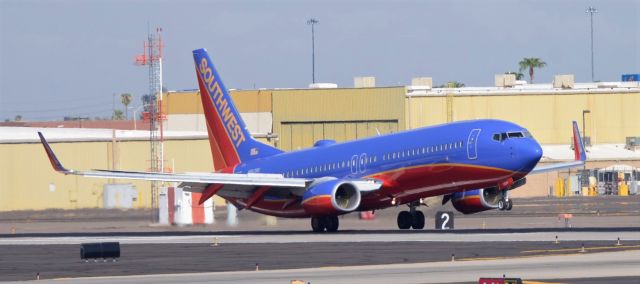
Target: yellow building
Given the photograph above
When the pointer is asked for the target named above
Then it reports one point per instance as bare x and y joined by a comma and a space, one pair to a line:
302, 116
295, 118
28, 182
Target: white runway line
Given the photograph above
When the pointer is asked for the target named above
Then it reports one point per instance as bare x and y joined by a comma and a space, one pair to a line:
306, 238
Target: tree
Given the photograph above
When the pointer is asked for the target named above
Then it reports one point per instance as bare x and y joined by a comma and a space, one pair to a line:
455, 84
18, 118
519, 75
451, 84
118, 115
126, 99
531, 63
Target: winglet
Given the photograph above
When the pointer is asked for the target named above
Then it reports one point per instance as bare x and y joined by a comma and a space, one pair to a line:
578, 144
55, 163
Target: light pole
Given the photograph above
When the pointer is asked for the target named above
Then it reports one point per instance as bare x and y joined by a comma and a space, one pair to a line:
313, 22
591, 11
584, 133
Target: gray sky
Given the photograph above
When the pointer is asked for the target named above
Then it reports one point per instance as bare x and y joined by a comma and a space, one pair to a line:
69, 57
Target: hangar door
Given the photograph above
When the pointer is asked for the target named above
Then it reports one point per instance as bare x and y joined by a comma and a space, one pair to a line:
299, 135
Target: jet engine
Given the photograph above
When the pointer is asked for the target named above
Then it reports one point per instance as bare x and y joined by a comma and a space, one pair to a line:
331, 197
477, 200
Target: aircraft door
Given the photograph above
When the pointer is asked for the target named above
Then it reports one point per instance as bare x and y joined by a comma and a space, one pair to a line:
354, 164
472, 144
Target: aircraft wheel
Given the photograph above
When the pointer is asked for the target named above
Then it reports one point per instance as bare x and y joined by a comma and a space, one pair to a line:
317, 224
332, 223
509, 205
418, 220
404, 220
502, 205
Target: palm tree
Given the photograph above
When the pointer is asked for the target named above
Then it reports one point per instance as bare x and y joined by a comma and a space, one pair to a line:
118, 115
531, 63
126, 99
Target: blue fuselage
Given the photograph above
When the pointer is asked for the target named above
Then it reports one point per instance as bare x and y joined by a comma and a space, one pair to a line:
412, 164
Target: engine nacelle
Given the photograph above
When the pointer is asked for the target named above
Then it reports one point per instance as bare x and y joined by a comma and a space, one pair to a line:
477, 200
331, 197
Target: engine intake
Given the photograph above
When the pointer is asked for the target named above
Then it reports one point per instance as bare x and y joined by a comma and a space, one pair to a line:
331, 197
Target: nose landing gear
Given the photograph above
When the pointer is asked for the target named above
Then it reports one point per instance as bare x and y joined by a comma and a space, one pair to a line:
505, 204
411, 219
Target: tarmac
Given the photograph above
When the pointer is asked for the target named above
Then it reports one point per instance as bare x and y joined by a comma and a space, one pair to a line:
529, 242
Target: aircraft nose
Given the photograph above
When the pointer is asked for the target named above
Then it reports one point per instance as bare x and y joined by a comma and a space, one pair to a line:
531, 152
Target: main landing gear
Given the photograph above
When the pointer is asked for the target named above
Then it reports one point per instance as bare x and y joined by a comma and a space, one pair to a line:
411, 219
322, 223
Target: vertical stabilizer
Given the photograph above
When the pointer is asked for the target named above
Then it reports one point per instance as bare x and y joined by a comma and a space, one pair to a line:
231, 142
578, 144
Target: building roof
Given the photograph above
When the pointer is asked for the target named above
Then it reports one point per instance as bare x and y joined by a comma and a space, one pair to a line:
529, 89
105, 124
10, 135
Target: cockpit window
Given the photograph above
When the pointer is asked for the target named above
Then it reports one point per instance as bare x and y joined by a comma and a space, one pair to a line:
515, 135
507, 135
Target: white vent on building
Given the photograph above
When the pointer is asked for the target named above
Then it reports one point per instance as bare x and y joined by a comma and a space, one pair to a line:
505, 80
563, 81
364, 82
422, 82
323, 86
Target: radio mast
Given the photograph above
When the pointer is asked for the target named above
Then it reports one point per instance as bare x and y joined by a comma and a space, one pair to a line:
152, 57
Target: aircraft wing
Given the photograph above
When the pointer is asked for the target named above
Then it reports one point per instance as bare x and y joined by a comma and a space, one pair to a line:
271, 180
579, 154
556, 167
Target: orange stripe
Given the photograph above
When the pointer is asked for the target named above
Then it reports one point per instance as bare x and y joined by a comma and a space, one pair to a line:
316, 197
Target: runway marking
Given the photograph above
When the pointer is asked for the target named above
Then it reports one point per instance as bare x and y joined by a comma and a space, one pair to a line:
578, 249
543, 255
539, 282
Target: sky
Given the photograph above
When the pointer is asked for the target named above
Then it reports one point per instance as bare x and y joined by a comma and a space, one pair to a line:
70, 58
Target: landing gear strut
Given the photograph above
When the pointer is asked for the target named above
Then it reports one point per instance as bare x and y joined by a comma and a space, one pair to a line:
411, 219
505, 204
322, 223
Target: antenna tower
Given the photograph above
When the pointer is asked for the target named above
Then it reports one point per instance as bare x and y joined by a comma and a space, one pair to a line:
152, 57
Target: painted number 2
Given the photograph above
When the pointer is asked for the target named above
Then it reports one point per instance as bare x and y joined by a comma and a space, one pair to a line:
444, 220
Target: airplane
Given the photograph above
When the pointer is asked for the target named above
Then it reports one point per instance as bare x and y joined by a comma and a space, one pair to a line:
473, 164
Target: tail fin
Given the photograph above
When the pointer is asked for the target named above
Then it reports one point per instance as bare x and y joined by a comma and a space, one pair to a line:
231, 142
578, 144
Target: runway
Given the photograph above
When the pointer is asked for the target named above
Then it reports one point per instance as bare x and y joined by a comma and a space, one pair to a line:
602, 266
519, 244
58, 257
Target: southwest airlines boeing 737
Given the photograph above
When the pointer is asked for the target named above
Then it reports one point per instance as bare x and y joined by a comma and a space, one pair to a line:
472, 163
